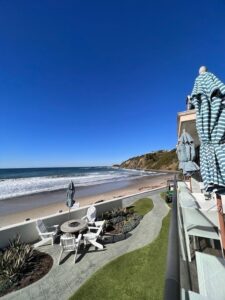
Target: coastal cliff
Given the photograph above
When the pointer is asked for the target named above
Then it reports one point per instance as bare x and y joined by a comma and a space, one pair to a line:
159, 160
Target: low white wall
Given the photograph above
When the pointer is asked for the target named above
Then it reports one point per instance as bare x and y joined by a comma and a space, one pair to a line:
28, 232
196, 185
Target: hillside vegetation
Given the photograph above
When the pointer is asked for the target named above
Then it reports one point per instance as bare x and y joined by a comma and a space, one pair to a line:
159, 160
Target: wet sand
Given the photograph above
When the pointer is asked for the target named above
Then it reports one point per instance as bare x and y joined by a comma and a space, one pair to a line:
18, 209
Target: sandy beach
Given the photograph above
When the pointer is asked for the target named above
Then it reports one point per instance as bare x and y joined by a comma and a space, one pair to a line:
18, 209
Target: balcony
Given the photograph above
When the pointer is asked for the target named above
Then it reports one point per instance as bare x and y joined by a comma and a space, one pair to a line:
196, 266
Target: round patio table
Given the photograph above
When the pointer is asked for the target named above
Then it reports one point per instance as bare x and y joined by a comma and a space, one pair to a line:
74, 226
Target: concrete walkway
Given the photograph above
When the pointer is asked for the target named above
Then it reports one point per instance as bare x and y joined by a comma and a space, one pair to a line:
63, 280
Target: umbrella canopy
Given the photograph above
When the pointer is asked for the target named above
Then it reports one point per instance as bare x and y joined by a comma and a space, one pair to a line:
186, 154
70, 194
208, 97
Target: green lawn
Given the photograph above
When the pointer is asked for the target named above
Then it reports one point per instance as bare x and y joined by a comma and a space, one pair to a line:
135, 275
143, 206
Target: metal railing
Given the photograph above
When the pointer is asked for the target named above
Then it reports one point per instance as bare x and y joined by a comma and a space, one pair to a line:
172, 279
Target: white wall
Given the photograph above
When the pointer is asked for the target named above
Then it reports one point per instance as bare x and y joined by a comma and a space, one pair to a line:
27, 230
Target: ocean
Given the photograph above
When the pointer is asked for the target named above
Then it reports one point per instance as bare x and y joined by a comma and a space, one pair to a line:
27, 181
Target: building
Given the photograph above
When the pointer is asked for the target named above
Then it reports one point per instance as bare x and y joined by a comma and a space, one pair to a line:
195, 266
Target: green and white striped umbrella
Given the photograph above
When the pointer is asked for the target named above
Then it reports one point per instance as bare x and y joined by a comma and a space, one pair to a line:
208, 97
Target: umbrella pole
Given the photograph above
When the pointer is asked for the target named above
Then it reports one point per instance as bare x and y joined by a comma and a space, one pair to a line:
190, 184
221, 219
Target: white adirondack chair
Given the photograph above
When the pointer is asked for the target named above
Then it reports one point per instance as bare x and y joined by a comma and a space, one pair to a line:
75, 206
91, 215
69, 243
99, 223
47, 234
91, 237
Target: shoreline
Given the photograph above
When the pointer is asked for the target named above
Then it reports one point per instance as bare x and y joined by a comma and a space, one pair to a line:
18, 209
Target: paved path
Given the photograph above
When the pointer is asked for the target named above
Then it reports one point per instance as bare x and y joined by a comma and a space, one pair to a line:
62, 281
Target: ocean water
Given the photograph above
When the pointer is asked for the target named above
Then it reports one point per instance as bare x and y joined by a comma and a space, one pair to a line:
19, 182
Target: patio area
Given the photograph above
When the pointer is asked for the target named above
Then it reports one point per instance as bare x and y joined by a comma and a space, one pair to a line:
63, 280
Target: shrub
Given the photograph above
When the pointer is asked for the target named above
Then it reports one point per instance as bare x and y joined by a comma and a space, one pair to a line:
137, 217
14, 260
126, 228
4, 286
122, 220
116, 220
111, 214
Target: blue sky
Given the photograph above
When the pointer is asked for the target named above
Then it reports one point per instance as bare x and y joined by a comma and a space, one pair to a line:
97, 82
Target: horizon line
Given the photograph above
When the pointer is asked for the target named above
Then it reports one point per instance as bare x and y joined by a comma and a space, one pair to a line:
84, 166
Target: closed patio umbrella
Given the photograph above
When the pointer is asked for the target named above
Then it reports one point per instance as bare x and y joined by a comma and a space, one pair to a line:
70, 195
208, 97
186, 154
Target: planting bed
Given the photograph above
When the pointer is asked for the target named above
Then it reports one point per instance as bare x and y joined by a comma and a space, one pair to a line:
120, 221
39, 266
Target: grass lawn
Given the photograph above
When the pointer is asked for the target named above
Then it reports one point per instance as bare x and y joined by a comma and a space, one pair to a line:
143, 206
135, 275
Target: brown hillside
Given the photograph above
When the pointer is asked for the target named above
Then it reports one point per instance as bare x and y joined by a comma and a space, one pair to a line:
159, 160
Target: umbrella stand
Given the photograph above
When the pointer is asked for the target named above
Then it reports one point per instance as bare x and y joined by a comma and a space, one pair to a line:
221, 219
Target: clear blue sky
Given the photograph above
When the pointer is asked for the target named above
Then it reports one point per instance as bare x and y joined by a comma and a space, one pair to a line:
97, 82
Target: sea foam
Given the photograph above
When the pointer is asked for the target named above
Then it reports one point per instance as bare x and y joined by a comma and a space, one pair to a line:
25, 186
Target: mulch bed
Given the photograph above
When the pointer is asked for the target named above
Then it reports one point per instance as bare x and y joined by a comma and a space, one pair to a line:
121, 221
42, 265
116, 229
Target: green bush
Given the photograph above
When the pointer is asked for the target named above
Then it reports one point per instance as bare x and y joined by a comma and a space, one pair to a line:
14, 260
4, 286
